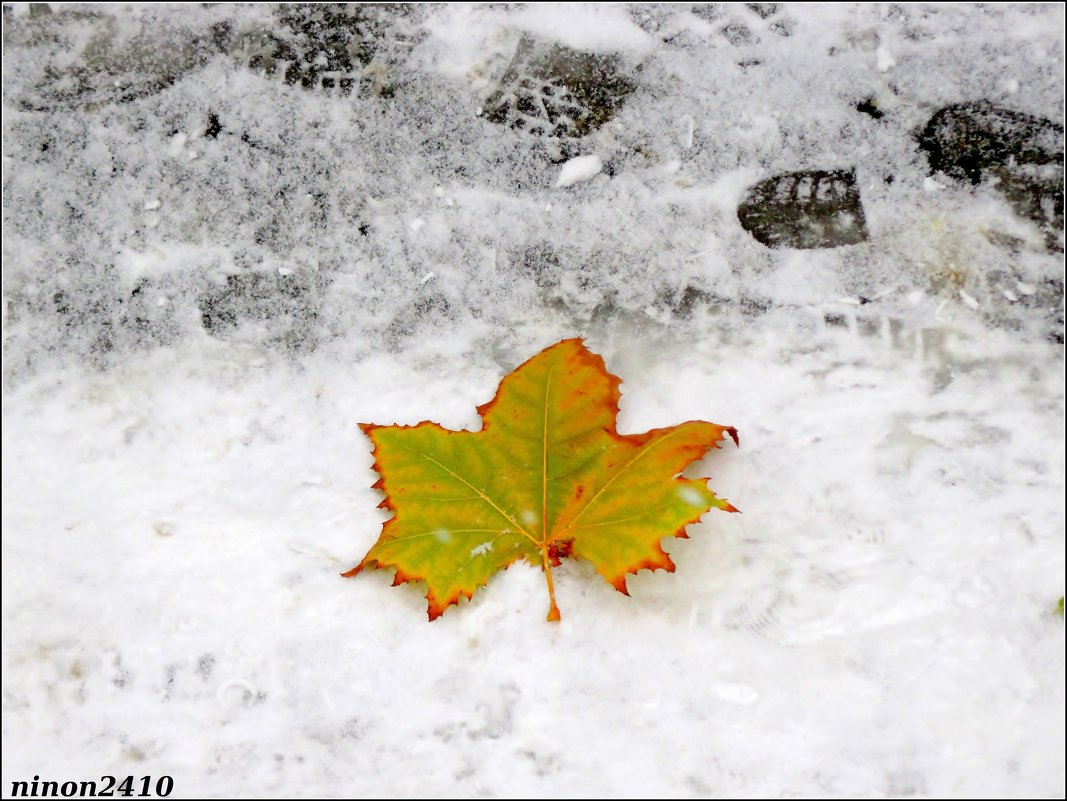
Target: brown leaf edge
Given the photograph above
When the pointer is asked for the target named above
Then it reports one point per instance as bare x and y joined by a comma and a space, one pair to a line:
660, 560
435, 606
553, 554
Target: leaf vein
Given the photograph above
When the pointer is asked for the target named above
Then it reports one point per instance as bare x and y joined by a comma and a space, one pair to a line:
484, 497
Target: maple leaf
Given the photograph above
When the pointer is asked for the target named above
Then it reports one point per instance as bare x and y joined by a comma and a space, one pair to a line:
547, 477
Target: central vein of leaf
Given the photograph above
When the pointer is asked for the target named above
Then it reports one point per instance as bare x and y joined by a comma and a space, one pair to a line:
553, 609
544, 465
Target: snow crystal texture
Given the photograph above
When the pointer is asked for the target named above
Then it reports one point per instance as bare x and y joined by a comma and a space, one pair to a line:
233, 232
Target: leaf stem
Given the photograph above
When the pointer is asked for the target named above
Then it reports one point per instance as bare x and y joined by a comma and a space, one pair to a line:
553, 610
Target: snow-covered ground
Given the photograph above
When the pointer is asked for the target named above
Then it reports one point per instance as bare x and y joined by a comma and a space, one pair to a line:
212, 272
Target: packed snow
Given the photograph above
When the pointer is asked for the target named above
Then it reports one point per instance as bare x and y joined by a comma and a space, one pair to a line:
228, 240
578, 169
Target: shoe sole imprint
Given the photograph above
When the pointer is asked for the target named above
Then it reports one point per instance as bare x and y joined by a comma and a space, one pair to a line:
552, 90
805, 210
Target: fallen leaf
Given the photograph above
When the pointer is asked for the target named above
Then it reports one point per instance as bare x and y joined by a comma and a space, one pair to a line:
547, 477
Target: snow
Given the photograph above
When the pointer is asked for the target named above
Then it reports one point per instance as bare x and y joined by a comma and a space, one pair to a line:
690, 496
594, 27
885, 59
190, 342
481, 549
581, 168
